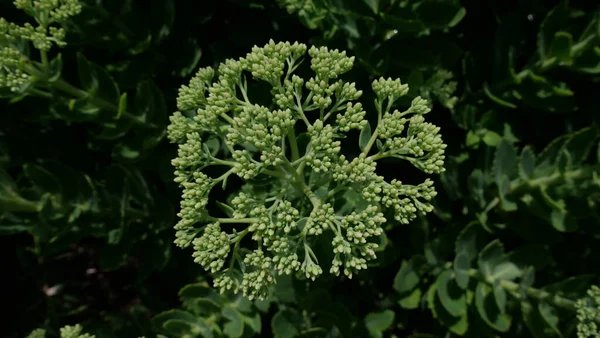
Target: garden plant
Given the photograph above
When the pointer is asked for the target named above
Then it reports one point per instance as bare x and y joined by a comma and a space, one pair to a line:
300, 168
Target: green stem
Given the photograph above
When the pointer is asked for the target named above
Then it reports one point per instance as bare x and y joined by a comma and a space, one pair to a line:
237, 239
515, 290
371, 140
223, 162
233, 220
540, 67
378, 105
40, 93
275, 173
293, 144
301, 112
301, 185
80, 94
520, 186
228, 119
244, 94
19, 204
45, 63
336, 190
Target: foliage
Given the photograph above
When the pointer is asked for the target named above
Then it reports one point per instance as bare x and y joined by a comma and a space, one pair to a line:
88, 203
65, 332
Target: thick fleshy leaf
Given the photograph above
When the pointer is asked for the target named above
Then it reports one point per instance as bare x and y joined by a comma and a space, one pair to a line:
451, 296
377, 322
286, 323
409, 275
488, 308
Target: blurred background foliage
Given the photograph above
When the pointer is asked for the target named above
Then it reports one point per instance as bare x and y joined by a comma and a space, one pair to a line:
88, 202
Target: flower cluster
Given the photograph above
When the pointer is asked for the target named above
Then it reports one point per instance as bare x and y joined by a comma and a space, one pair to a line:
285, 142
588, 314
13, 74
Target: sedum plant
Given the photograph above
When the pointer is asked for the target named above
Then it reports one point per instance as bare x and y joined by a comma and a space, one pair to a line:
68, 331
301, 186
18, 74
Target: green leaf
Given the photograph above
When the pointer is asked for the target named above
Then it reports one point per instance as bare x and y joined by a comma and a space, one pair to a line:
506, 271
527, 164
365, 136
553, 22
462, 263
470, 241
114, 236
409, 275
412, 300
439, 15
42, 179
489, 257
377, 322
472, 140
550, 316
228, 210
495, 98
144, 101
187, 58
97, 82
537, 325
562, 45
477, 185
14, 229
177, 327
491, 138
493, 263
504, 189
546, 161
528, 277
505, 169
87, 78
286, 323
451, 296
500, 297
505, 162
457, 325
373, 5
55, 68
572, 287
284, 290
204, 306
580, 144
122, 106
159, 249
254, 323
538, 256
234, 328
564, 161
560, 221
178, 315
488, 309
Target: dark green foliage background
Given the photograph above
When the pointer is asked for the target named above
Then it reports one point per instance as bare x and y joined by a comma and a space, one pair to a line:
114, 268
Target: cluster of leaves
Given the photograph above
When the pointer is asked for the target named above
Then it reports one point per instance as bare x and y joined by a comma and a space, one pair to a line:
376, 30
207, 313
65, 332
78, 176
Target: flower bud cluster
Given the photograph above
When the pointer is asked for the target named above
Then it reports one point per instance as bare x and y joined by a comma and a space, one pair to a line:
43, 36
588, 313
298, 183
